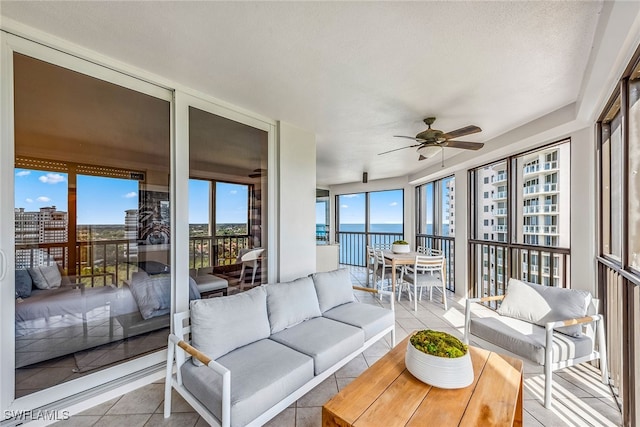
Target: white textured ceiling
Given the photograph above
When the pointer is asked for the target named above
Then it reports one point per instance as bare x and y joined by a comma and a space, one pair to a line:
354, 73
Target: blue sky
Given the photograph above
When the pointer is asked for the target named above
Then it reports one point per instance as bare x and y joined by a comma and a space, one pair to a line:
385, 207
103, 200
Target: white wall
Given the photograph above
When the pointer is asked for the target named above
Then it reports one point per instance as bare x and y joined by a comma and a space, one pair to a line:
297, 202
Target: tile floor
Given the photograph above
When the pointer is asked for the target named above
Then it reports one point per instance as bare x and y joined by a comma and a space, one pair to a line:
580, 399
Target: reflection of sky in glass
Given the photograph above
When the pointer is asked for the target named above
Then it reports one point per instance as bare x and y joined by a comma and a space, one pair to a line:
321, 212
232, 203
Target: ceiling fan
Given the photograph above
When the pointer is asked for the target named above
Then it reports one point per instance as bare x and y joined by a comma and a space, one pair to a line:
257, 173
431, 141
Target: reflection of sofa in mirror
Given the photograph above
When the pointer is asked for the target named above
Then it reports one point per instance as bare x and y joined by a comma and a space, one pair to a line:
55, 316
144, 302
58, 315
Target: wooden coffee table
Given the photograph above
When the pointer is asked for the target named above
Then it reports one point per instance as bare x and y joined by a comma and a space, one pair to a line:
388, 395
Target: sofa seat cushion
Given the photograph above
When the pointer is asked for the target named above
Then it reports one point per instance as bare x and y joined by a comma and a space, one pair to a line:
371, 319
325, 340
220, 325
262, 374
528, 340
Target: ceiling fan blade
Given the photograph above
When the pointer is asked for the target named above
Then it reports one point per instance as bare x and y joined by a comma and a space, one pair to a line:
467, 130
401, 148
410, 137
466, 145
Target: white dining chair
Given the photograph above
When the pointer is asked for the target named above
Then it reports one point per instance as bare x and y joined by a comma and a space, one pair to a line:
372, 265
427, 272
250, 259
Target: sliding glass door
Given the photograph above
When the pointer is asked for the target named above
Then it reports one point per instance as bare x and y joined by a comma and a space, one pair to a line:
91, 174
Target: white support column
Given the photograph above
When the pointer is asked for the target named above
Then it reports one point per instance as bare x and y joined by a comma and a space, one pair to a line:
461, 220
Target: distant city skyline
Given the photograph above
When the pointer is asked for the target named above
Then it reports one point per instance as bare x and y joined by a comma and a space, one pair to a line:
104, 200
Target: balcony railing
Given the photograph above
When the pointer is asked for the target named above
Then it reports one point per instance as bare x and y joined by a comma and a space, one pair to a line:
97, 261
499, 195
501, 177
500, 228
500, 212
353, 244
551, 165
322, 232
550, 188
531, 169
484, 282
531, 189
531, 209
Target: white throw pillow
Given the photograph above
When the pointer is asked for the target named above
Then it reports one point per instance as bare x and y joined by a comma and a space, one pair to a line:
46, 276
541, 304
220, 325
334, 288
291, 303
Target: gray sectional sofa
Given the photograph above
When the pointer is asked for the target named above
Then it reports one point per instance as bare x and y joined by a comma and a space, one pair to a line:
253, 354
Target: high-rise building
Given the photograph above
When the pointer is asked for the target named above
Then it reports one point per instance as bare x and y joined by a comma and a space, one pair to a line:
48, 225
541, 214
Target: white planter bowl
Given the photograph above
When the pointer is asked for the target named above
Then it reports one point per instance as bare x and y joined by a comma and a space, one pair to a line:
400, 249
441, 372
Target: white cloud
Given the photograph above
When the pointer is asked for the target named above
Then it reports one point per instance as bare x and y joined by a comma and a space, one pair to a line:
28, 200
393, 204
344, 206
130, 195
51, 178
43, 199
233, 192
23, 173
350, 196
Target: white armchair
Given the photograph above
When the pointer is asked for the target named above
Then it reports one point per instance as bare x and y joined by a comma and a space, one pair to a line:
553, 327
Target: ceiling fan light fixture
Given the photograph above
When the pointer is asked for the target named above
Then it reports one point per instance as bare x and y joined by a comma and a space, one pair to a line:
428, 151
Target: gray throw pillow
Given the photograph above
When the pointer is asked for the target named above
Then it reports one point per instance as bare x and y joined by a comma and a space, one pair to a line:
220, 325
153, 295
539, 304
291, 303
333, 288
46, 276
24, 283
194, 292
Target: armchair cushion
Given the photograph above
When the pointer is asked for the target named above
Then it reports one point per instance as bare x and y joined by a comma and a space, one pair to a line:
528, 340
541, 304
334, 288
291, 303
220, 325
46, 276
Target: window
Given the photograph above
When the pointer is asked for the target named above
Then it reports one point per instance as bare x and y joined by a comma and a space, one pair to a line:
356, 230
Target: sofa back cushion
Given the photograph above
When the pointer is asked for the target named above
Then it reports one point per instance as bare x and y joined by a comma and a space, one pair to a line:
46, 276
541, 304
220, 325
333, 288
291, 303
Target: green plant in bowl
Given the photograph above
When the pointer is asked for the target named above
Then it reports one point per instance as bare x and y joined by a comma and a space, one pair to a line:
400, 242
439, 344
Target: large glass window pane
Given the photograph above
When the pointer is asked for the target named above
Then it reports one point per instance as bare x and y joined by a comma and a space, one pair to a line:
633, 212
228, 188
447, 206
91, 218
612, 181
386, 217
491, 202
351, 210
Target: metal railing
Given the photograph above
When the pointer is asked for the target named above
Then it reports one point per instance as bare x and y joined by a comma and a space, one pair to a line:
491, 264
322, 232
105, 262
353, 244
